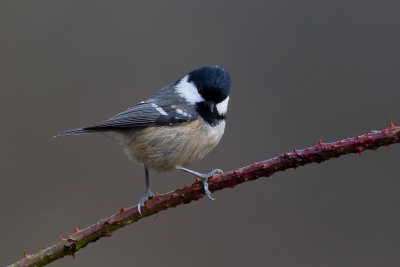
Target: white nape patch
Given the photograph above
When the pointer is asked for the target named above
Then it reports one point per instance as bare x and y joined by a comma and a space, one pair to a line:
188, 91
159, 109
222, 107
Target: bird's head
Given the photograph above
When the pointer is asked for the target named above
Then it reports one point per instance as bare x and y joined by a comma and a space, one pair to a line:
207, 85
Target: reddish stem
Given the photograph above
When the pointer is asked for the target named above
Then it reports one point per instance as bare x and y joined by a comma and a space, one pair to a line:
105, 227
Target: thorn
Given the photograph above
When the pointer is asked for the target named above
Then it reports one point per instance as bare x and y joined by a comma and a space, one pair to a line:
198, 180
357, 137
391, 125
286, 154
26, 255
73, 255
340, 142
76, 229
122, 210
62, 238
320, 142
294, 150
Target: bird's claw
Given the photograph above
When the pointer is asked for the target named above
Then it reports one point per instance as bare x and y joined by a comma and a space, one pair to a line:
204, 178
216, 171
205, 186
146, 196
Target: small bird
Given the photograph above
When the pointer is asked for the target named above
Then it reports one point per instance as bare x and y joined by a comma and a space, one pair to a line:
175, 127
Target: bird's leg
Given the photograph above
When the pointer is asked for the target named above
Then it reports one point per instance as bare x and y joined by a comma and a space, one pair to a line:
204, 178
148, 192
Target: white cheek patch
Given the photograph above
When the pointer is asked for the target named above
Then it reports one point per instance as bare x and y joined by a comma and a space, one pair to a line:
222, 107
188, 91
159, 109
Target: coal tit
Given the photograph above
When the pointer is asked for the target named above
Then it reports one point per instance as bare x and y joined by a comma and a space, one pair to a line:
175, 127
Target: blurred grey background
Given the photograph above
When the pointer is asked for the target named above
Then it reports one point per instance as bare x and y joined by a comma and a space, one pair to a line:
301, 71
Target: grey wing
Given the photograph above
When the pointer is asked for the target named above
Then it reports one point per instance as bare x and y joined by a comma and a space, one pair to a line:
146, 114
155, 111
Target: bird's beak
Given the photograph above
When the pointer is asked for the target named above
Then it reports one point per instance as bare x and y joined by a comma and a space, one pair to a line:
211, 105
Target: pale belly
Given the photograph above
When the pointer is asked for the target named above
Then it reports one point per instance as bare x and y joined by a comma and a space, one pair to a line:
163, 148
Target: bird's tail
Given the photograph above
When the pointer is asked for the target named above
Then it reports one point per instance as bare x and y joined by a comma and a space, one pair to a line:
75, 132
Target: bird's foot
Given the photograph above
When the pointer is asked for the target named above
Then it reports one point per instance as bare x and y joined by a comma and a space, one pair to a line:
204, 179
213, 172
146, 196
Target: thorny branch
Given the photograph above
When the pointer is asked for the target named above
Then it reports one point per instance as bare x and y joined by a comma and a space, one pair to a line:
105, 227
